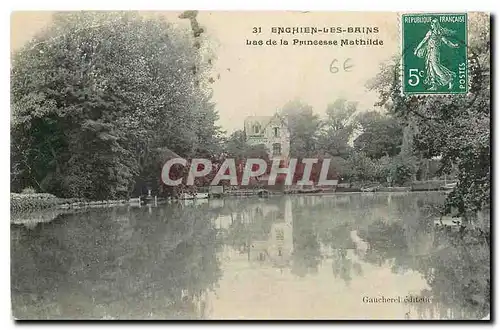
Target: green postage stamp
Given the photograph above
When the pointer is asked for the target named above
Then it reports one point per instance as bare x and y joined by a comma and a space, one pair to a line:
434, 53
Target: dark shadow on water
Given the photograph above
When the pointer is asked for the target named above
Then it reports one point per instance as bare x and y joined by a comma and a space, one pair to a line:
115, 263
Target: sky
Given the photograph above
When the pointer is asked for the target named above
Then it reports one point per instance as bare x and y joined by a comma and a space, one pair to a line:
259, 80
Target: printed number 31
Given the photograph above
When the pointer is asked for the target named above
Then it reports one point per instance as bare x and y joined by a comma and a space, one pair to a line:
414, 79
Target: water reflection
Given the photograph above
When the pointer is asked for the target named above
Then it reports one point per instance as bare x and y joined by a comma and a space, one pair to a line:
280, 257
115, 263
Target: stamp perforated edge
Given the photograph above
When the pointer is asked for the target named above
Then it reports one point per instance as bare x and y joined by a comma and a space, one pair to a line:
401, 50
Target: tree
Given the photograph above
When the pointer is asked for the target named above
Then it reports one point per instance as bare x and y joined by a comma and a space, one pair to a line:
304, 127
455, 128
338, 128
398, 170
236, 146
362, 168
381, 135
96, 94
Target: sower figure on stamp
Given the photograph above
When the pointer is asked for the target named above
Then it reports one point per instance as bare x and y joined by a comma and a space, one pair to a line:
437, 75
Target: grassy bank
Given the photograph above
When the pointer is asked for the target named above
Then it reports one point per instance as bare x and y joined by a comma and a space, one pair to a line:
34, 201
27, 202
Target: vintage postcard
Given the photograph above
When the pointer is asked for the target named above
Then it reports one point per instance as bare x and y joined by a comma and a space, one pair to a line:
250, 165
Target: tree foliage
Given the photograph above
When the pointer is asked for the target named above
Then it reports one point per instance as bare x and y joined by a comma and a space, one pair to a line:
96, 94
338, 128
455, 128
237, 147
381, 135
304, 127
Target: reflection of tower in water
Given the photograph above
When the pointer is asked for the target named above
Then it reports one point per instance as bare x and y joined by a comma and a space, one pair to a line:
278, 247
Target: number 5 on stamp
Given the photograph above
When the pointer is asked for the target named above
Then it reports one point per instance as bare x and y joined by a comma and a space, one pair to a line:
434, 53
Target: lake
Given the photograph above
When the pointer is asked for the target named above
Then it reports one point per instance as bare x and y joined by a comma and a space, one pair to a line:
341, 256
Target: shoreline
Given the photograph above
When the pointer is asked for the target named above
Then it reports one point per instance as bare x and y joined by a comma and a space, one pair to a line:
22, 203
32, 217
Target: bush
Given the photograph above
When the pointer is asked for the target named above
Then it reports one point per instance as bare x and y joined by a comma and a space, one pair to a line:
30, 201
28, 190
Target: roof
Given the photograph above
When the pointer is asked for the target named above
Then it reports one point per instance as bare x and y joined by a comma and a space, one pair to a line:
264, 121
